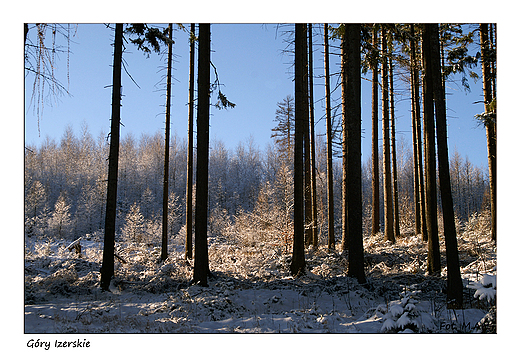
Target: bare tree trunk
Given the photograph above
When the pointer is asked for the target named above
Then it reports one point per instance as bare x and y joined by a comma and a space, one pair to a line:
164, 245
300, 117
201, 265
352, 197
387, 170
376, 227
189, 176
107, 267
330, 177
416, 174
307, 152
454, 290
434, 258
397, 231
313, 145
490, 124
418, 132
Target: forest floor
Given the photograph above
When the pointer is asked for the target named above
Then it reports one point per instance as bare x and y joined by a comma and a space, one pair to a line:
251, 290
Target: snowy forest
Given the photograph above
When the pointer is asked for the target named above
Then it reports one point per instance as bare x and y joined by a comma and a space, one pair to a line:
299, 236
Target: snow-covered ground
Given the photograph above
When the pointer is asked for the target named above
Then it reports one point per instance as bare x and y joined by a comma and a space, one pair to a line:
251, 290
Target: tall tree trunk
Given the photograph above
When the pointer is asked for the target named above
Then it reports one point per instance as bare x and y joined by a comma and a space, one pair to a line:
434, 258
454, 290
300, 117
415, 136
312, 145
487, 81
164, 245
201, 265
397, 231
189, 176
418, 134
387, 170
330, 177
352, 198
307, 151
376, 227
107, 267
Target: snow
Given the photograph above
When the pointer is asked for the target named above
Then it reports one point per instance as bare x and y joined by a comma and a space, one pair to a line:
251, 292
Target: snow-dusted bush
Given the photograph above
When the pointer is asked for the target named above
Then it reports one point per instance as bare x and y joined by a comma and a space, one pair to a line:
485, 288
405, 315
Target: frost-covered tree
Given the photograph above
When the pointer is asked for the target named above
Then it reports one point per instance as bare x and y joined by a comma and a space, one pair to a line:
134, 227
59, 221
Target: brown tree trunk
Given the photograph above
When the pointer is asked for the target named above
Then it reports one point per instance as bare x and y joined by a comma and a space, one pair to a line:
107, 267
376, 227
434, 258
352, 196
189, 179
454, 290
300, 117
314, 207
201, 265
487, 81
397, 231
164, 244
387, 170
330, 177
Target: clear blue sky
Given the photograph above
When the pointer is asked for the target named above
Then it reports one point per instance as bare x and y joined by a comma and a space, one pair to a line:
255, 75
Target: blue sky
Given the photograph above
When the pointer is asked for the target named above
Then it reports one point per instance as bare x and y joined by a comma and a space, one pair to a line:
254, 72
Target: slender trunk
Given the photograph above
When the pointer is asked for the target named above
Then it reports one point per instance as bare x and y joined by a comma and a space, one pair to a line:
387, 170
418, 132
201, 265
454, 290
107, 267
415, 136
330, 177
434, 261
376, 227
189, 179
307, 151
397, 231
352, 198
164, 247
490, 124
314, 207
300, 116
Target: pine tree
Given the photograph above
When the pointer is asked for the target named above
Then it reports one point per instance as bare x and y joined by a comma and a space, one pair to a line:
201, 264
454, 290
164, 242
352, 198
489, 119
330, 176
107, 267
375, 133
300, 116
434, 258
283, 132
189, 170
387, 170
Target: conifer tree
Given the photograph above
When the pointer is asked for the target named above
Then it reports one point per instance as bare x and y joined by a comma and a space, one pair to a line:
434, 258
375, 132
201, 263
330, 176
352, 196
387, 170
300, 116
454, 289
107, 267
189, 170
164, 244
